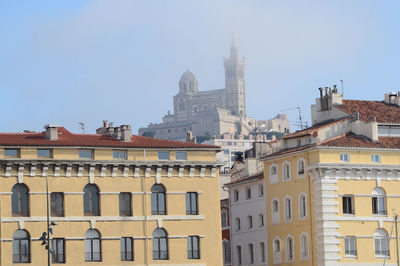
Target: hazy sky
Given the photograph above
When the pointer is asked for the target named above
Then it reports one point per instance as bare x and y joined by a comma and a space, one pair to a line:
66, 62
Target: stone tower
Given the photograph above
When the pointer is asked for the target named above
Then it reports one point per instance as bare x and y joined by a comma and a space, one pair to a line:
234, 82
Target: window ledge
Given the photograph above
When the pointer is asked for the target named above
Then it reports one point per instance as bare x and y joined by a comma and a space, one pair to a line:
348, 256
382, 256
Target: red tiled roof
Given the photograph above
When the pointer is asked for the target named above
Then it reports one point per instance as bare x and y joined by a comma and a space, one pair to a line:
247, 178
310, 130
352, 140
66, 138
367, 110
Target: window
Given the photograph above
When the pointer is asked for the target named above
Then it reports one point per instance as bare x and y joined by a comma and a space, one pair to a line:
348, 204
119, 155
160, 244
180, 155
260, 191
249, 222
58, 250
298, 142
191, 203
125, 204
237, 221
86, 154
251, 254
226, 251
57, 204
300, 167
236, 195
286, 171
288, 209
92, 245
224, 218
289, 249
381, 243
260, 220
304, 246
350, 246
21, 247
20, 200
274, 170
193, 247
273, 174
345, 157
248, 193
275, 215
91, 200
239, 254
277, 254
158, 201
302, 206
375, 158
275, 206
11, 153
379, 201
226, 152
262, 251
43, 153
163, 155
126, 249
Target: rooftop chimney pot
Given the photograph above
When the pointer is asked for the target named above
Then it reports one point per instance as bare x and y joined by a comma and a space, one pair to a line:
51, 132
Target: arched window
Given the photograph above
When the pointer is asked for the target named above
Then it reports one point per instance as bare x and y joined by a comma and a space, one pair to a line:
304, 246
21, 247
160, 244
275, 213
251, 254
301, 166
273, 174
91, 202
378, 201
276, 248
224, 218
20, 200
302, 206
260, 220
249, 221
381, 243
289, 249
237, 221
226, 251
288, 208
158, 200
92, 245
286, 171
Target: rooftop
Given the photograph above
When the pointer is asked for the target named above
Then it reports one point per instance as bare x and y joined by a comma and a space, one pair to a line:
247, 178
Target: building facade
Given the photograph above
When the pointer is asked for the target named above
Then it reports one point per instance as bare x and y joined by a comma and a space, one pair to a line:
116, 199
332, 189
226, 232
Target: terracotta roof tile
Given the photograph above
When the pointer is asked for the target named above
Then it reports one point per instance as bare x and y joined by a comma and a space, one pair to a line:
66, 138
367, 110
350, 140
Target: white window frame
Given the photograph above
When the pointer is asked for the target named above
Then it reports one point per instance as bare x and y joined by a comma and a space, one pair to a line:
237, 224
261, 190
352, 204
346, 241
301, 216
304, 249
287, 250
376, 158
261, 221
262, 252
277, 254
380, 195
249, 221
275, 215
284, 172
248, 193
382, 236
224, 213
236, 195
343, 159
227, 256
273, 178
286, 212
300, 175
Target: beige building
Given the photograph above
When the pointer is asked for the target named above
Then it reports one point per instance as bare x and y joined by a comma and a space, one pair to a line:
116, 199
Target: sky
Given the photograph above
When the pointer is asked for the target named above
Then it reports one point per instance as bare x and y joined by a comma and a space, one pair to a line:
65, 62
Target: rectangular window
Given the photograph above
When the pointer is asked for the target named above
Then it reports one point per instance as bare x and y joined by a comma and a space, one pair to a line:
44, 153
260, 191
163, 155
345, 157
191, 203
86, 154
248, 193
236, 195
262, 251
350, 246
11, 153
251, 254
180, 156
381, 246
375, 158
58, 250
378, 205
126, 249
119, 155
125, 207
348, 204
57, 204
193, 247
226, 152
249, 222
239, 254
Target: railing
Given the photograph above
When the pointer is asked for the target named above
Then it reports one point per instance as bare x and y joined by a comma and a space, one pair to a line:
193, 254
127, 256
160, 255
92, 256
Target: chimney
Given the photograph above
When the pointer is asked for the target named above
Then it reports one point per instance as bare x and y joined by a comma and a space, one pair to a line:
51, 132
105, 123
189, 136
126, 133
321, 98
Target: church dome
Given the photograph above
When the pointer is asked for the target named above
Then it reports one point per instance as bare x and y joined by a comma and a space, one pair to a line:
188, 83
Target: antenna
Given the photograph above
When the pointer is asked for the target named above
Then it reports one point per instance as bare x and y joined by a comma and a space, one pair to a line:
341, 81
300, 122
82, 125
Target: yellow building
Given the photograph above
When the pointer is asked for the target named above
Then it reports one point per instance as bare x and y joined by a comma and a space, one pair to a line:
116, 199
333, 188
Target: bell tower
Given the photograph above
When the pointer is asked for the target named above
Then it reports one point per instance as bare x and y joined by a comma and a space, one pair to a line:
234, 82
